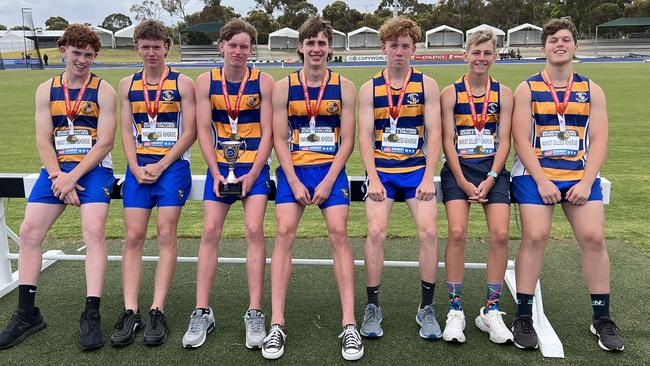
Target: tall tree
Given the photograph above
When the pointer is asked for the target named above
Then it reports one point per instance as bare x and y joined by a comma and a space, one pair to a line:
147, 9
638, 8
211, 12
116, 21
262, 22
341, 16
56, 23
3, 27
175, 7
296, 13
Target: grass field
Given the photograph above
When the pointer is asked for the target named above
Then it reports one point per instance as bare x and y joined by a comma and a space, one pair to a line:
313, 303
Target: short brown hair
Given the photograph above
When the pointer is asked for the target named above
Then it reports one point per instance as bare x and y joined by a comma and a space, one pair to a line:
236, 26
480, 37
393, 28
555, 25
152, 30
310, 28
80, 36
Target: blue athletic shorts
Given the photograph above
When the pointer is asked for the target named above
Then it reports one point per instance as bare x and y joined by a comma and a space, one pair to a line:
400, 186
98, 184
171, 189
524, 190
262, 184
475, 173
310, 177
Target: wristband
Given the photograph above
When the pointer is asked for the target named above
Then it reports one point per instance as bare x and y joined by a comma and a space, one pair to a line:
493, 175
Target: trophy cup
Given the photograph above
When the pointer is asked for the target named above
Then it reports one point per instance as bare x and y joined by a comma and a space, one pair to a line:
231, 152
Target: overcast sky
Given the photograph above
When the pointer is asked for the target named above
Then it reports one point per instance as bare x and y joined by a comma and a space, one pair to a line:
94, 12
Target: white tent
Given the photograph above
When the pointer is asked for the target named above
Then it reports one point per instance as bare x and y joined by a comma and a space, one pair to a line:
525, 35
363, 37
124, 36
105, 36
339, 39
444, 36
285, 38
12, 42
501, 35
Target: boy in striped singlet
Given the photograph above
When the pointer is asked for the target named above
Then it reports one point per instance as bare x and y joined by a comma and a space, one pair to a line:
559, 126
75, 132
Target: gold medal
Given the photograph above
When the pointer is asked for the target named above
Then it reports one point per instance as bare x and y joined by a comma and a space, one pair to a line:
153, 136
563, 135
479, 150
72, 139
235, 137
313, 137
393, 137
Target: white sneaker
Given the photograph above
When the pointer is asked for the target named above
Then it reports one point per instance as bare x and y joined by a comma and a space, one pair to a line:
492, 323
255, 330
201, 323
273, 344
455, 326
351, 345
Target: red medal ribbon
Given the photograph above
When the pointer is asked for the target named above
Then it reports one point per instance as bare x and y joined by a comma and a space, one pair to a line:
479, 125
559, 108
153, 111
311, 113
392, 110
72, 112
233, 114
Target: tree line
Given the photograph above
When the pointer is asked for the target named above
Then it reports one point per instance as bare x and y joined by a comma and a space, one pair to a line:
271, 15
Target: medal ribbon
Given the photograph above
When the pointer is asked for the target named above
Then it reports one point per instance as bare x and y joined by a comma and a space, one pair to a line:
559, 108
152, 111
311, 113
233, 115
479, 125
392, 110
72, 112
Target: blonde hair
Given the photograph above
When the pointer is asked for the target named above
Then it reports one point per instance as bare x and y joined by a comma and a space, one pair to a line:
393, 28
480, 37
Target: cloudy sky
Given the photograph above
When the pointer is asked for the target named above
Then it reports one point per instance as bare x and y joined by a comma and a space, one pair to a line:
94, 12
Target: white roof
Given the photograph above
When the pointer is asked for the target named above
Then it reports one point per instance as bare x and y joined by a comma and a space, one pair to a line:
285, 32
443, 28
496, 31
48, 33
363, 30
524, 26
13, 37
97, 29
126, 32
338, 32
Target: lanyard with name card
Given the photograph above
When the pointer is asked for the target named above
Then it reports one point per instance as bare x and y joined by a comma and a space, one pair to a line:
393, 110
479, 124
233, 115
560, 108
72, 111
311, 113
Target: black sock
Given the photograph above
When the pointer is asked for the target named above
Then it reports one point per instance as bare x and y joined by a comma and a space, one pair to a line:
427, 293
600, 304
92, 302
373, 295
26, 298
524, 304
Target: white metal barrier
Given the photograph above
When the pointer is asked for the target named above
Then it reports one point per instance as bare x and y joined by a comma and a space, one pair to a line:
20, 185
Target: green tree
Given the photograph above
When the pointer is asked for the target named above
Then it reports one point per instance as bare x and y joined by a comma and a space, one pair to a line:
296, 13
638, 8
175, 7
20, 27
213, 11
147, 9
116, 21
341, 16
56, 23
262, 22
3, 27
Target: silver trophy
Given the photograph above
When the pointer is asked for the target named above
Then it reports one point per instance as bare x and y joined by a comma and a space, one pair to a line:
232, 150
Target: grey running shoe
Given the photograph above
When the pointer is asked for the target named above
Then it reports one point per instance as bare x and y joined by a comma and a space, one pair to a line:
371, 326
351, 346
426, 318
201, 323
255, 329
524, 332
609, 336
273, 346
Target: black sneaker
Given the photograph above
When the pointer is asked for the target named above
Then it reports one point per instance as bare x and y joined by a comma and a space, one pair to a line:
609, 336
20, 326
90, 330
524, 333
155, 331
126, 328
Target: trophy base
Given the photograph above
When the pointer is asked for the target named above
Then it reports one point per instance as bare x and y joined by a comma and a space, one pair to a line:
230, 189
